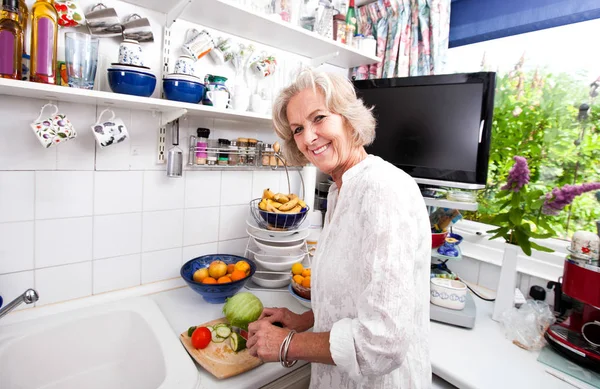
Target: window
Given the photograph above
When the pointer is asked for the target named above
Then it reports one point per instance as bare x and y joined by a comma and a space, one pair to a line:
544, 112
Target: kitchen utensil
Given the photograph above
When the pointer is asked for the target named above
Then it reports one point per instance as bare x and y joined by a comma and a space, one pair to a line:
591, 333
53, 129
182, 90
279, 262
109, 131
271, 280
280, 236
138, 29
103, 21
218, 358
278, 248
175, 155
81, 54
448, 293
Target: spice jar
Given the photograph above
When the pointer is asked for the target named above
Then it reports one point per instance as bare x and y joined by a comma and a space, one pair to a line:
213, 146
268, 151
260, 150
223, 157
201, 145
234, 158
339, 28
251, 154
243, 148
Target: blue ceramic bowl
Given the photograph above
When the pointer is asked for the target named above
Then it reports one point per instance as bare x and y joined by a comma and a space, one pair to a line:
459, 238
184, 91
214, 293
130, 82
284, 220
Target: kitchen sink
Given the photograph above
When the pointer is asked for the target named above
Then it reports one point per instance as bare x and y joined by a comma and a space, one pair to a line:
123, 345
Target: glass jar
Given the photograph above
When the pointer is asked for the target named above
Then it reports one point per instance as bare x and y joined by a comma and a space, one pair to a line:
234, 158
213, 146
266, 155
339, 28
243, 148
223, 157
260, 150
251, 153
201, 145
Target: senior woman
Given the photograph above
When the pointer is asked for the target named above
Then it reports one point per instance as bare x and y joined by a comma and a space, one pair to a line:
370, 274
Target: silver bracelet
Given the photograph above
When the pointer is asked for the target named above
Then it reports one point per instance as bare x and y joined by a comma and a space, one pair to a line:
283, 350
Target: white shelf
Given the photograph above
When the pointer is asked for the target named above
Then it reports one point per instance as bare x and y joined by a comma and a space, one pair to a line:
229, 17
92, 97
442, 203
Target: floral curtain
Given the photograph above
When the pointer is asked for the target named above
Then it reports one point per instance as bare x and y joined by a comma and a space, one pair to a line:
412, 37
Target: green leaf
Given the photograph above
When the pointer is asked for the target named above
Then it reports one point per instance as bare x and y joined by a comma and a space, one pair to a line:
537, 204
501, 218
505, 204
516, 199
516, 216
541, 248
523, 241
503, 193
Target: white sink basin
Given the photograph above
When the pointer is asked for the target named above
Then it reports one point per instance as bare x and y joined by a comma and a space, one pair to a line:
123, 345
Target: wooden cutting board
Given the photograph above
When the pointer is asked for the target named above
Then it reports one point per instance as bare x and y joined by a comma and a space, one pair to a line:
218, 358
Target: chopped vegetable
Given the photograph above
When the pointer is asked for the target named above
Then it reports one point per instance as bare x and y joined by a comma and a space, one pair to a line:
216, 338
201, 337
223, 331
242, 309
237, 342
191, 331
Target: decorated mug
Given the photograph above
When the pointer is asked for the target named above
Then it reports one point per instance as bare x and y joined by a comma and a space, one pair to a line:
111, 131
197, 43
130, 53
184, 65
69, 13
219, 98
585, 245
52, 129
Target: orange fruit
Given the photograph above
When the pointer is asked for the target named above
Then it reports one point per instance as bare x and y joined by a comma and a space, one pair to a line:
298, 279
209, 280
306, 282
230, 268
306, 273
243, 266
200, 274
237, 275
297, 269
224, 280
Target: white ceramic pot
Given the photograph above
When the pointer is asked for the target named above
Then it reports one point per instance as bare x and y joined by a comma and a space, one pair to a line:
448, 293
271, 281
585, 245
130, 53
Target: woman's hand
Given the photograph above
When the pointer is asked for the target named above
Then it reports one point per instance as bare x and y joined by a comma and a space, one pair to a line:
265, 339
288, 319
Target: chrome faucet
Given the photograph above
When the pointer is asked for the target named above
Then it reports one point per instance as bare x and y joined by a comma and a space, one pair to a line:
28, 297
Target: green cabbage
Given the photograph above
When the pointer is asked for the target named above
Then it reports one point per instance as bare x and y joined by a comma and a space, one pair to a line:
242, 309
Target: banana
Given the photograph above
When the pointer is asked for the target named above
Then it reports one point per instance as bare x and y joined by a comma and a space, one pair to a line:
274, 203
302, 203
268, 194
292, 196
263, 205
281, 198
271, 208
296, 209
289, 205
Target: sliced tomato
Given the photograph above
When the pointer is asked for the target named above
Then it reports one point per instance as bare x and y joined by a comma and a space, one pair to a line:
201, 337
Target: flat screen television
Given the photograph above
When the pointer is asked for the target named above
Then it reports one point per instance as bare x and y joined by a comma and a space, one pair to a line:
435, 128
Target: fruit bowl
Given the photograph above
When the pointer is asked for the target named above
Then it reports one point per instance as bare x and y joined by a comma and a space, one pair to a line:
277, 221
438, 239
305, 302
214, 293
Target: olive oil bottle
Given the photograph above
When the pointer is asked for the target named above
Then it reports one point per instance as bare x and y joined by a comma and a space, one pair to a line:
44, 34
11, 40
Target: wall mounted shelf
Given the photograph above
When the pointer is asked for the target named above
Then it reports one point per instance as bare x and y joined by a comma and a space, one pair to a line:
91, 97
443, 203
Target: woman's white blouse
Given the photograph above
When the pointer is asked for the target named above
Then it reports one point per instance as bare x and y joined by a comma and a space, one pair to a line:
370, 281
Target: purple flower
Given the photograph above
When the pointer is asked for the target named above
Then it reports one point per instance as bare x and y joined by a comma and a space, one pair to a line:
518, 176
561, 197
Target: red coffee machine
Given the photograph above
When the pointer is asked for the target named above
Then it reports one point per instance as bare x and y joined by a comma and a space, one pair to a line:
581, 282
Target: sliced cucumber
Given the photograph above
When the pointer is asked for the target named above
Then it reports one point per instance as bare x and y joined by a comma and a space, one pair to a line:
220, 325
191, 331
215, 338
223, 331
210, 328
237, 342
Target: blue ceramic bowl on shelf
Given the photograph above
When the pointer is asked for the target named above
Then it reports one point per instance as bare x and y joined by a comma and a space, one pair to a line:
214, 293
130, 82
184, 91
459, 238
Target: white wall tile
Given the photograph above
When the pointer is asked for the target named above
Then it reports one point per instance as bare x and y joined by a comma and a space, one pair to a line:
14, 284
202, 189
116, 156
143, 141
63, 241
201, 225
117, 235
62, 283
63, 194
236, 187
77, 154
190, 252
295, 182
265, 179
162, 230
118, 192
489, 275
467, 269
232, 223
161, 265
16, 196
117, 273
19, 147
16, 249
162, 192
235, 246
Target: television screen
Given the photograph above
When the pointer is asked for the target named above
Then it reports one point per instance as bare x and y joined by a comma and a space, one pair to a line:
436, 128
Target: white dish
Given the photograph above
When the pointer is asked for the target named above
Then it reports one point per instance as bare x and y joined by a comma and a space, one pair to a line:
301, 300
271, 281
183, 77
448, 293
279, 258
278, 248
264, 236
279, 266
138, 69
275, 234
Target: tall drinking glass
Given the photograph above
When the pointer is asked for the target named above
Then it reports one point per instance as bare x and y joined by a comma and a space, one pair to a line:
81, 55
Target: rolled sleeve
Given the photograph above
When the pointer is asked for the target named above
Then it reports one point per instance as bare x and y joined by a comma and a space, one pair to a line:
341, 346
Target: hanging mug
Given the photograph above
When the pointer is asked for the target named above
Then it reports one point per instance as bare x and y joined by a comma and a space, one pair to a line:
103, 21
110, 131
197, 43
52, 129
137, 29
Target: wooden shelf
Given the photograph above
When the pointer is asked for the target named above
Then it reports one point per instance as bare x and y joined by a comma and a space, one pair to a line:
229, 17
443, 203
92, 97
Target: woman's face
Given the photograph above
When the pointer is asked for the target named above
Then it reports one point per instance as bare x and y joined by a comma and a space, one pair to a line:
320, 135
